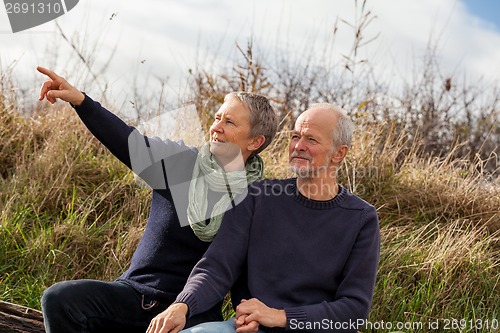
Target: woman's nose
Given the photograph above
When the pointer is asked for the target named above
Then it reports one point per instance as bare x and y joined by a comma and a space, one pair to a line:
217, 126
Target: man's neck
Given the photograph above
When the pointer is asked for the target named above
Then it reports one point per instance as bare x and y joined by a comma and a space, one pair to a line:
321, 189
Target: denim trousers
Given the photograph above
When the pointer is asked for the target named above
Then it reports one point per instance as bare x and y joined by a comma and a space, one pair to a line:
82, 306
227, 326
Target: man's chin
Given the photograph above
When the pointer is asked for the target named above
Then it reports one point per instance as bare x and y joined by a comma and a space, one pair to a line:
300, 171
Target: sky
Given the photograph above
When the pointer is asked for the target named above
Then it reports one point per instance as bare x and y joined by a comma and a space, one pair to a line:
487, 10
131, 44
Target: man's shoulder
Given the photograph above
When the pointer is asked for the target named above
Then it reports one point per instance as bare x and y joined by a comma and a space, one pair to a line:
272, 183
272, 188
352, 201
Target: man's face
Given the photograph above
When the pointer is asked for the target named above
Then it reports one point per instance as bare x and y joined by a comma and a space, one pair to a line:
310, 150
229, 134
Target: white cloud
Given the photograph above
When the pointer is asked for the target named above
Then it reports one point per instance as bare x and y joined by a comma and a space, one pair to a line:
463, 41
169, 34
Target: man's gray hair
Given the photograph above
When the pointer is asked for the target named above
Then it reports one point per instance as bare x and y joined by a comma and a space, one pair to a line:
342, 135
263, 119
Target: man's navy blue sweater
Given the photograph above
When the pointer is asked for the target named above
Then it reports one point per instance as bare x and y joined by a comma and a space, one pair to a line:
317, 260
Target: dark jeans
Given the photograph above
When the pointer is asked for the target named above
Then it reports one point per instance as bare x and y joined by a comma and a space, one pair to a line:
98, 307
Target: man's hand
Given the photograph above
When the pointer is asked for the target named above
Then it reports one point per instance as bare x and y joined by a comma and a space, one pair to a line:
173, 319
250, 311
243, 327
57, 87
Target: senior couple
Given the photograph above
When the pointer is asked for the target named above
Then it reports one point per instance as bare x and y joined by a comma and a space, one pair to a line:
297, 254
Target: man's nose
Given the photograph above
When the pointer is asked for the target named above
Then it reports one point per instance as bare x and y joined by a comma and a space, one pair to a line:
300, 145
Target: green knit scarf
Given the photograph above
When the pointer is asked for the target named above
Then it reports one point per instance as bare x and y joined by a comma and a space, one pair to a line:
208, 174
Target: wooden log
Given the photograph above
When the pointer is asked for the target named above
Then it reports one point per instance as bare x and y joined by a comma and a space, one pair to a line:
20, 319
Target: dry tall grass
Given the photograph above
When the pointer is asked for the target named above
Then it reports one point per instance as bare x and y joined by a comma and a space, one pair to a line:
409, 186
70, 210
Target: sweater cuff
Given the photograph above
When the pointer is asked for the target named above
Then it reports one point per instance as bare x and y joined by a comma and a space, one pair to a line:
87, 100
190, 300
294, 315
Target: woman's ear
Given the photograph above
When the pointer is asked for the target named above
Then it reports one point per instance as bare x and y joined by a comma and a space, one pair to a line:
256, 142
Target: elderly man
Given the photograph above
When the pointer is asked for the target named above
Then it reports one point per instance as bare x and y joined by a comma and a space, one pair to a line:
300, 254
190, 187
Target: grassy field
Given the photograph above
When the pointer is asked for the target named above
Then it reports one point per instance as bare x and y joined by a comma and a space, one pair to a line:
70, 210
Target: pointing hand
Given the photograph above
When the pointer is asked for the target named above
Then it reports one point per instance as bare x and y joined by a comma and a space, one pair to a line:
57, 87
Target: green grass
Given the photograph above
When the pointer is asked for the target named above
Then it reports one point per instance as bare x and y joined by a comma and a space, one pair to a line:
70, 210
437, 273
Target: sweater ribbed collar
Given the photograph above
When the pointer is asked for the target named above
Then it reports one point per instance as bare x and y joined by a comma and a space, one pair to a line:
319, 204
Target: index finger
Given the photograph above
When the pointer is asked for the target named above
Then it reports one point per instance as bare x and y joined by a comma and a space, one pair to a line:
47, 72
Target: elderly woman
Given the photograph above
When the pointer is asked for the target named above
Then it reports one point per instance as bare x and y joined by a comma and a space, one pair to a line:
190, 187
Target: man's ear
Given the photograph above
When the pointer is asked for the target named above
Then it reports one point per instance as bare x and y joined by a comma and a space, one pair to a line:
256, 142
339, 154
